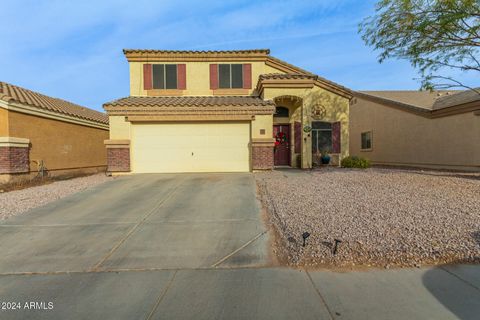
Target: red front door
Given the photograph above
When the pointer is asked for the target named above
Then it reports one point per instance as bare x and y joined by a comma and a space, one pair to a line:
282, 148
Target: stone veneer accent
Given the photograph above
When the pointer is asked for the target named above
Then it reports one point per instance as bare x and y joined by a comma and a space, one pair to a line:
14, 155
14, 159
262, 154
118, 155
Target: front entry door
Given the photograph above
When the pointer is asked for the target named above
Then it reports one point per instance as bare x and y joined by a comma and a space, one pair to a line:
281, 133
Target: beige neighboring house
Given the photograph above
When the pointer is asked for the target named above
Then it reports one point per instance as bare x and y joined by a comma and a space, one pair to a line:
44, 134
414, 128
223, 111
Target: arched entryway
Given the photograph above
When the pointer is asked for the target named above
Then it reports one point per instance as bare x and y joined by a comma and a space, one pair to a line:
287, 131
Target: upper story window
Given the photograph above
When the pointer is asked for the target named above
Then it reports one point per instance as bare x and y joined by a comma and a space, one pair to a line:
164, 76
230, 76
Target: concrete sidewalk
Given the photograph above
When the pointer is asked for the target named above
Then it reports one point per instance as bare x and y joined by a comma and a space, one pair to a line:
251, 293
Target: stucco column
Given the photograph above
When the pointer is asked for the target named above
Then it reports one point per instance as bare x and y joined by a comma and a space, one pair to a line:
306, 138
118, 155
14, 155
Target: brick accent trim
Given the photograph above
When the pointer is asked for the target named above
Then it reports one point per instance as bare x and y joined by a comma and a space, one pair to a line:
262, 157
14, 160
118, 159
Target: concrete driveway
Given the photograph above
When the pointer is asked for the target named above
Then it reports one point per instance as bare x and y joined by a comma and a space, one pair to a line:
194, 247
141, 222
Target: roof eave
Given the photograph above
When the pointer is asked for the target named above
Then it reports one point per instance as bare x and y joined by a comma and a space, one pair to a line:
134, 55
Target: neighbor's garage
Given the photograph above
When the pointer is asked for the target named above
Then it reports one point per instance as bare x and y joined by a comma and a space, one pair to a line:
190, 147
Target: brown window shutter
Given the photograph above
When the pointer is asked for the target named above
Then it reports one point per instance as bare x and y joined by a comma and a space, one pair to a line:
297, 132
147, 77
214, 76
181, 76
247, 76
336, 137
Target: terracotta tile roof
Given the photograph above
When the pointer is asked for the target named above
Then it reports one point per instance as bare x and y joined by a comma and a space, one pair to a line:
287, 76
419, 99
456, 99
295, 69
288, 65
10, 93
190, 101
199, 52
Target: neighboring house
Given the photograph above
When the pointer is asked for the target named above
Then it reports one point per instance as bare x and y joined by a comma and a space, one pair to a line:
40, 134
413, 128
223, 111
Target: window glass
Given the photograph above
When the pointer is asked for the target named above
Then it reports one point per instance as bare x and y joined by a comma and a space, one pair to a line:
158, 76
321, 137
237, 76
325, 140
366, 140
171, 76
281, 112
321, 125
224, 76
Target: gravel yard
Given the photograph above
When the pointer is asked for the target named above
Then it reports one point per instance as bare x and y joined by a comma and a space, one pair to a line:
19, 201
383, 217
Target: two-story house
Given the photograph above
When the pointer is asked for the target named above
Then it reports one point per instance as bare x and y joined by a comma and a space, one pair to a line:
223, 111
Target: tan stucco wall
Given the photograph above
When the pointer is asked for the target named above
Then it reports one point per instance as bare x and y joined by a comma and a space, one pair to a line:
119, 128
262, 122
403, 138
61, 145
336, 107
3, 122
198, 76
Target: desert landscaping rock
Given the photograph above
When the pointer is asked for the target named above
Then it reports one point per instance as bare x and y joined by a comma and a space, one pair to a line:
383, 217
16, 202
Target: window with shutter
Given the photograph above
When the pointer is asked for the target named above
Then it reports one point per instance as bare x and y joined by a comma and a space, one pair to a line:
164, 76
230, 76
322, 137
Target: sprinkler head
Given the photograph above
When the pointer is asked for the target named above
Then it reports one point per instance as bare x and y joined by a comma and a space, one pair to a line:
305, 235
335, 247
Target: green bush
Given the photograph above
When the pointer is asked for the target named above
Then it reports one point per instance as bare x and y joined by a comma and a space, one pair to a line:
355, 162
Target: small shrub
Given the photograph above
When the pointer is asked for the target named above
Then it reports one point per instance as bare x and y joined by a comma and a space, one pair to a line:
355, 162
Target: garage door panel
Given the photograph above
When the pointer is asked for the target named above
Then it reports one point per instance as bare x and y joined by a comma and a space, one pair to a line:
201, 147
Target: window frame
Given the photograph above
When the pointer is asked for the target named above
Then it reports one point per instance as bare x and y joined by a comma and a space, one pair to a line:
371, 140
165, 76
316, 131
230, 76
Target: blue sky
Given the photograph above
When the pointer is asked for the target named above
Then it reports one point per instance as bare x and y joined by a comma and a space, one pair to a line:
73, 49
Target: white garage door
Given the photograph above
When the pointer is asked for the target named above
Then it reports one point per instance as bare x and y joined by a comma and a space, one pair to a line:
191, 147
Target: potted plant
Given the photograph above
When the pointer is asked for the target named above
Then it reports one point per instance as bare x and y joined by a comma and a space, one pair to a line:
325, 157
